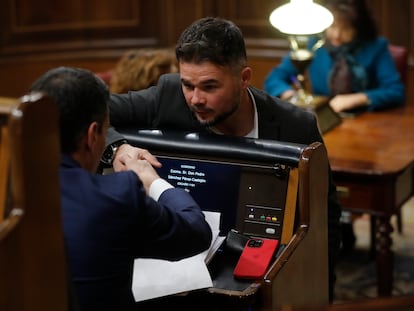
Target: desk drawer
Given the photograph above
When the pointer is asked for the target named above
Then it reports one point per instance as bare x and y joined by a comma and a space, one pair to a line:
380, 194
353, 196
373, 198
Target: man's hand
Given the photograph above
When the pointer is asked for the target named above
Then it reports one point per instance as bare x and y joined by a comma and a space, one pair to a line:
127, 152
142, 168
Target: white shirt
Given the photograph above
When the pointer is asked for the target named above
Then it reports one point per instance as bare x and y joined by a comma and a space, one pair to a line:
157, 187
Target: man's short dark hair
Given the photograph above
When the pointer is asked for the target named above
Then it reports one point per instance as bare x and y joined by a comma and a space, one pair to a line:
81, 98
215, 40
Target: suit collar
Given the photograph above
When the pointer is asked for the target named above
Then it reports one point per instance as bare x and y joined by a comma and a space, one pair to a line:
67, 161
269, 122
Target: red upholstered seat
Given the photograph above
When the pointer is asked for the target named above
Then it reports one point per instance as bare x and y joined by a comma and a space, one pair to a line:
400, 56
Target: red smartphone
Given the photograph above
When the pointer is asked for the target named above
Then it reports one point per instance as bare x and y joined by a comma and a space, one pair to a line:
255, 258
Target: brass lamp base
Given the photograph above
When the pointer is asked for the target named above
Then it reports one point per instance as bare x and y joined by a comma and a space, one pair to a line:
326, 116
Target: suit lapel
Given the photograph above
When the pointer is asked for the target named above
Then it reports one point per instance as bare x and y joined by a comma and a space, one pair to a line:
269, 124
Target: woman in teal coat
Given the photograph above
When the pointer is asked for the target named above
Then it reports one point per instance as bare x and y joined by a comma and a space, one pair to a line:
354, 68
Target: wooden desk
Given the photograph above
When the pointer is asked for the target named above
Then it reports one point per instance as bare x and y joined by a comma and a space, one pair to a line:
372, 159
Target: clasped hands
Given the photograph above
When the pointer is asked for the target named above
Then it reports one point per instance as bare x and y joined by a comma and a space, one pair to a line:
139, 160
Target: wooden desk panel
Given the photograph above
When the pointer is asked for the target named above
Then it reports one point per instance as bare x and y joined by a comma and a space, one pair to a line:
372, 159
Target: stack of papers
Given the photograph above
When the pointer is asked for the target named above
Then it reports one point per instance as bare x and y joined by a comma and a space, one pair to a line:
156, 278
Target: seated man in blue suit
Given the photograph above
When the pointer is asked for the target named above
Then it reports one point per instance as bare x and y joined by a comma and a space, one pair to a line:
109, 220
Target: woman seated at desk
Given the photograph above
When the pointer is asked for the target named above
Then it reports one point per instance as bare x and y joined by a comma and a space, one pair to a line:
354, 67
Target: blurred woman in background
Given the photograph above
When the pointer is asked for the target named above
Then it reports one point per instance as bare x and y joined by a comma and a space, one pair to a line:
141, 68
354, 67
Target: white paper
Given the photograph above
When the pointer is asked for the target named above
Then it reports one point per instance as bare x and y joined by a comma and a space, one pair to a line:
156, 278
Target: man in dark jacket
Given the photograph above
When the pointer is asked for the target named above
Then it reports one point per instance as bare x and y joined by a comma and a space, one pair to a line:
212, 93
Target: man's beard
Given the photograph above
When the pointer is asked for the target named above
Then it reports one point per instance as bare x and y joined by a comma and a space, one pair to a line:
220, 118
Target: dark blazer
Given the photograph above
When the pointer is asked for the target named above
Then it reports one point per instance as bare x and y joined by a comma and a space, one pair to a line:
164, 106
108, 221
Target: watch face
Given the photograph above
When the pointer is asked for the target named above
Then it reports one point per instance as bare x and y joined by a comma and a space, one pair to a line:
107, 156
109, 153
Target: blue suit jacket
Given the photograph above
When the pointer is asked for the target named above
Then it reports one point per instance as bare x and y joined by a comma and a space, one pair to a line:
164, 107
109, 221
384, 88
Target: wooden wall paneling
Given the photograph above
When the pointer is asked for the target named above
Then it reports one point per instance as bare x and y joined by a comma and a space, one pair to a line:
398, 22
17, 76
393, 20
265, 45
261, 68
41, 25
38, 35
178, 14
251, 16
411, 30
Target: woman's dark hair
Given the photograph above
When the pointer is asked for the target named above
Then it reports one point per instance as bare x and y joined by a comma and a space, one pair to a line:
214, 40
357, 13
81, 98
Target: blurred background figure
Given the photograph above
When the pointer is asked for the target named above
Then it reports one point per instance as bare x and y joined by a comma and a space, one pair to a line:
354, 67
139, 69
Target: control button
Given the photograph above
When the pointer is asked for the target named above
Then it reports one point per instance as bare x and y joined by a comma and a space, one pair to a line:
270, 231
251, 216
274, 219
268, 218
262, 217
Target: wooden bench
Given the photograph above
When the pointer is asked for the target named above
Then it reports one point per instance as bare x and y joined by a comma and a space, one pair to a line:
33, 272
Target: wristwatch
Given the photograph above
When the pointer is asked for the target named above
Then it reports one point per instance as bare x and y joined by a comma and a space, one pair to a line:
110, 151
